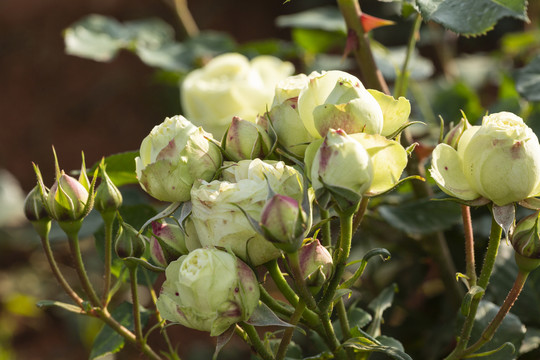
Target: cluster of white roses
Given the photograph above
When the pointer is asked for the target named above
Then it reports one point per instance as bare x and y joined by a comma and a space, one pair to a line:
246, 201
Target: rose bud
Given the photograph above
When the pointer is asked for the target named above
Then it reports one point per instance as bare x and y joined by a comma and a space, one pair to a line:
167, 244
284, 223
208, 290
499, 161
36, 212
173, 156
283, 114
315, 265
453, 136
108, 198
342, 167
128, 242
246, 140
338, 100
67, 199
526, 242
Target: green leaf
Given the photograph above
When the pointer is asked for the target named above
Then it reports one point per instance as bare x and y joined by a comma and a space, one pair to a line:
422, 216
95, 37
531, 340
471, 17
316, 41
358, 318
378, 305
326, 18
390, 61
364, 344
109, 341
528, 80
120, 168
264, 316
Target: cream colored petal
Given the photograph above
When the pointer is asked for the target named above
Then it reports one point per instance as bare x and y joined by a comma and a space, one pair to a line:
446, 170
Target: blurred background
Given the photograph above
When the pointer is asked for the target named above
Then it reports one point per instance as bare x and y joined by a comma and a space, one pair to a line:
51, 98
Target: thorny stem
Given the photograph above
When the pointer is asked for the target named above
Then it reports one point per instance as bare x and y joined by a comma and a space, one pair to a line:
469, 245
483, 281
256, 341
359, 216
371, 75
511, 298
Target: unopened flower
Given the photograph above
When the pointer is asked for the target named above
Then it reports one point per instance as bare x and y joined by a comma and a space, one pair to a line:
167, 244
108, 197
173, 157
246, 140
284, 222
67, 199
338, 100
128, 242
315, 264
231, 85
499, 161
526, 242
208, 290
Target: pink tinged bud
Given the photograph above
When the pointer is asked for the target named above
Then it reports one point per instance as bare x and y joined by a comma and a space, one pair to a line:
284, 222
526, 242
167, 244
246, 140
454, 135
128, 242
67, 199
34, 208
108, 198
315, 264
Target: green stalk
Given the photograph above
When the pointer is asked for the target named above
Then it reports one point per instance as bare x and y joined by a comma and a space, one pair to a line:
108, 221
185, 17
483, 281
400, 88
287, 336
305, 295
343, 319
273, 304
132, 268
256, 342
44, 236
283, 286
511, 298
75, 248
326, 230
342, 255
359, 216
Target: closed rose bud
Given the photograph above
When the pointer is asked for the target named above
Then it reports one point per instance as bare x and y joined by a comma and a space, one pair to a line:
208, 290
246, 140
36, 212
173, 157
315, 265
128, 242
341, 166
338, 100
67, 199
167, 244
453, 136
526, 242
284, 223
108, 198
